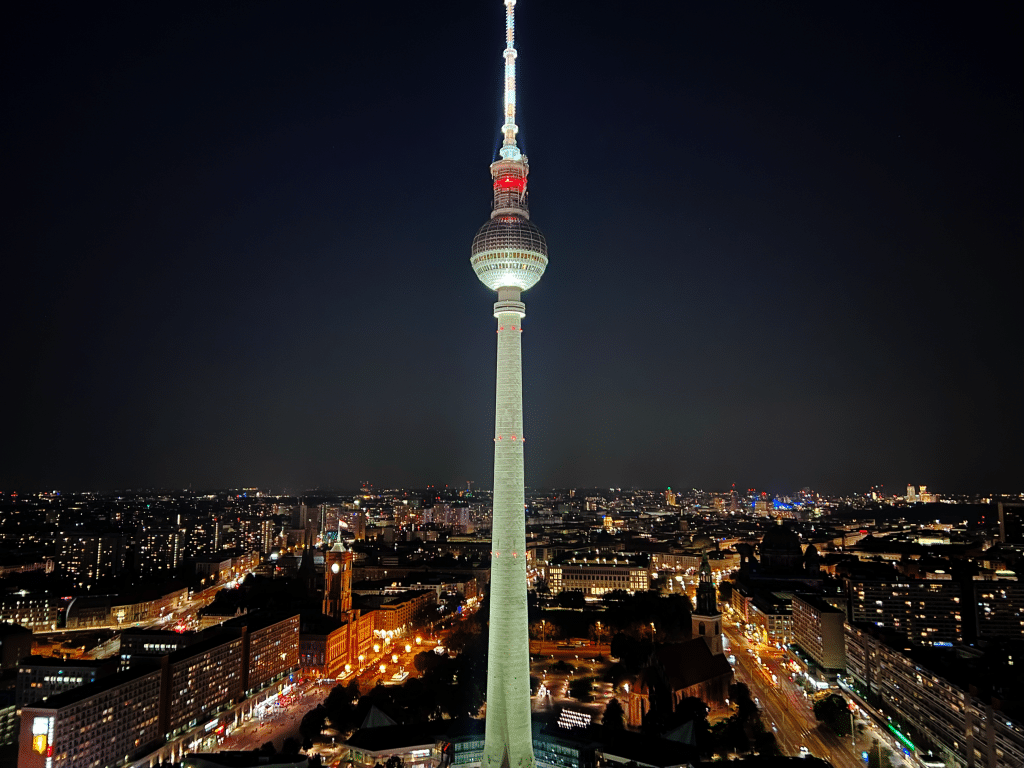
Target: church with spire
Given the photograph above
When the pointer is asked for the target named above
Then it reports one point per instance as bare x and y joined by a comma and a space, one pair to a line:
706, 619
696, 667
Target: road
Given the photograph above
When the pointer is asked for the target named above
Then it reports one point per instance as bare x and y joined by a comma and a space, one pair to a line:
278, 723
788, 710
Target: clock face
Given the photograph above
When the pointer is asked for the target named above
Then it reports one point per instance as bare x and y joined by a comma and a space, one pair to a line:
335, 568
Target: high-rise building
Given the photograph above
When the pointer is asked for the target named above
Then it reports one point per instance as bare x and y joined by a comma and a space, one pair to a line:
89, 558
818, 630
509, 255
928, 611
1011, 523
157, 552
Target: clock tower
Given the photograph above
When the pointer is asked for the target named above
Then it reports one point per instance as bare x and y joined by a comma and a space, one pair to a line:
338, 581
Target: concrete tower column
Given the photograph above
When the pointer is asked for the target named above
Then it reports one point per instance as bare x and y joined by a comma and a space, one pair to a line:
509, 736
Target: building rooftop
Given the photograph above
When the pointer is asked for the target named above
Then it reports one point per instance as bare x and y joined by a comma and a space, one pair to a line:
52, 661
818, 603
75, 695
256, 620
619, 559
396, 737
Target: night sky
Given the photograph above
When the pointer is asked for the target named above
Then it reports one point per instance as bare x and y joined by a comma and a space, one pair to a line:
785, 244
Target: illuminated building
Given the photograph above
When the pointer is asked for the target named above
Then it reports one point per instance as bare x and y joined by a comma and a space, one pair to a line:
41, 677
160, 709
344, 645
999, 607
157, 552
937, 696
395, 613
509, 255
338, 581
415, 745
78, 727
596, 576
348, 647
771, 613
89, 558
818, 630
200, 680
927, 611
38, 612
270, 647
139, 646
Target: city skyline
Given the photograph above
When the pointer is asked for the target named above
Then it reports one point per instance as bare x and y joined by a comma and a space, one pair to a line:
804, 227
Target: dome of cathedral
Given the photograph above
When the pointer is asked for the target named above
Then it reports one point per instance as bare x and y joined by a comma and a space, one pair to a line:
703, 543
780, 549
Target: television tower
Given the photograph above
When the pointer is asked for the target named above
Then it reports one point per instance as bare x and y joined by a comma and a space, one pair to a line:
509, 256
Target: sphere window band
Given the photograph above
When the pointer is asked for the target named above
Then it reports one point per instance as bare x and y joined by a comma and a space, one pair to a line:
507, 255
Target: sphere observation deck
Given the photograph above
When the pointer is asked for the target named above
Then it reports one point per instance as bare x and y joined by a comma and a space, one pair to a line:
509, 251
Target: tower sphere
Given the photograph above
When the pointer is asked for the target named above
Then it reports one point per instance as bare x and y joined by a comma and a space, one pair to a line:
509, 251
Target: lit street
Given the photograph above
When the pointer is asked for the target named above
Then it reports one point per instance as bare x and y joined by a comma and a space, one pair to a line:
788, 710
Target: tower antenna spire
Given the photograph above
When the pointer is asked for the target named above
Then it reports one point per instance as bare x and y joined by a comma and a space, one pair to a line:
509, 149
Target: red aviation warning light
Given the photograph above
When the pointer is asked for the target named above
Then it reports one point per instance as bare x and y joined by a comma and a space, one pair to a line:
508, 183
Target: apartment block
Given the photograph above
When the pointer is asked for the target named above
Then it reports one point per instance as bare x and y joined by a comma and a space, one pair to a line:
818, 628
942, 707
999, 607
94, 725
927, 611
41, 677
200, 681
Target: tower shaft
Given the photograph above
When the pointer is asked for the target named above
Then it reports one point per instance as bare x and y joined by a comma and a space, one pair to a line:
508, 736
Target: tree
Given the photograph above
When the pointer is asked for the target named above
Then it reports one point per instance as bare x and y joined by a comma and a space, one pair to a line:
311, 725
879, 756
268, 749
739, 694
834, 712
765, 743
614, 715
291, 746
581, 688
633, 653
426, 662
615, 596
571, 598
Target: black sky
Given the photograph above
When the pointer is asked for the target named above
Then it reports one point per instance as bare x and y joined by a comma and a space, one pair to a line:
785, 244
